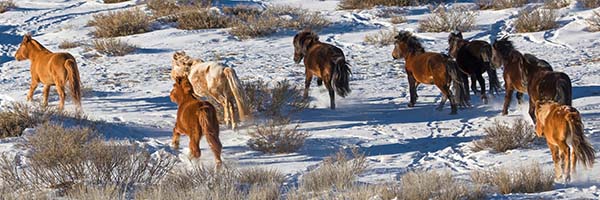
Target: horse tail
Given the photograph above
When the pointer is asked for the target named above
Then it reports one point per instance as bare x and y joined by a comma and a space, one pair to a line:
564, 94
486, 54
238, 93
75, 81
584, 152
458, 78
341, 76
207, 117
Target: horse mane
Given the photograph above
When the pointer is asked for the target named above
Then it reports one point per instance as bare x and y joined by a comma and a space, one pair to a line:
532, 60
39, 46
411, 41
306, 35
504, 47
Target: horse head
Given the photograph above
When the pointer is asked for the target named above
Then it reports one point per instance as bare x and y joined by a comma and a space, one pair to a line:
182, 89
406, 43
302, 41
501, 50
23, 51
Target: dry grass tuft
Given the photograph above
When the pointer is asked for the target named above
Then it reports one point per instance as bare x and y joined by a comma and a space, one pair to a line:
367, 4
502, 137
594, 22
255, 26
445, 20
590, 3
192, 18
120, 23
536, 20
525, 179
341, 172
276, 136
6, 5
114, 1
398, 19
19, 116
499, 4
281, 100
556, 4
162, 8
432, 185
68, 44
382, 38
113, 47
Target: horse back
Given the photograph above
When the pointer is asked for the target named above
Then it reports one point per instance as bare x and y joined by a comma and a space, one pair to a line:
188, 115
426, 67
555, 86
320, 57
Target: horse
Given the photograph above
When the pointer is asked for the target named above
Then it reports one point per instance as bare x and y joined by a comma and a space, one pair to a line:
50, 69
210, 79
528, 74
325, 61
562, 127
196, 119
474, 58
430, 68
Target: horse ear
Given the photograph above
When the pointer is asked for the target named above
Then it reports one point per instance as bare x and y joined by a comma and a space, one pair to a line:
27, 37
459, 35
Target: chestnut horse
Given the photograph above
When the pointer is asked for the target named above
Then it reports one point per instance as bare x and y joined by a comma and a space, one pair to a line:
50, 69
474, 57
213, 80
430, 68
196, 119
528, 74
563, 129
323, 60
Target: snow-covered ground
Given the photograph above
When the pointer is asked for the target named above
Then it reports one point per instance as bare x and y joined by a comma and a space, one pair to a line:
131, 92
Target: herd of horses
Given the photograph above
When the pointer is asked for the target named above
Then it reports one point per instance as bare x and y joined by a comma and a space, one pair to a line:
550, 94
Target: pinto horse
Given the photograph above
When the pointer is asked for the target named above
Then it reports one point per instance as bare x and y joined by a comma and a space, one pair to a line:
50, 69
430, 68
323, 60
196, 119
474, 58
563, 129
528, 74
213, 80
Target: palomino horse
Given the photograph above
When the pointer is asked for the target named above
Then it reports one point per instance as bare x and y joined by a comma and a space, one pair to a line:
196, 119
528, 74
213, 80
474, 58
430, 68
51, 69
325, 61
563, 129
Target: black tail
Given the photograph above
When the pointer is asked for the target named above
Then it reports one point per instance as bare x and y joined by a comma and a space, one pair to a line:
341, 77
563, 89
458, 78
494, 81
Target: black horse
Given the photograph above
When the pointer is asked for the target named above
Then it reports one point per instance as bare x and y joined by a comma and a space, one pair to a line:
474, 58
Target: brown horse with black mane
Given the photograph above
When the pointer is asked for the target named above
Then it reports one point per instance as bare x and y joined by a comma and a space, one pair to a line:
195, 118
474, 58
430, 68
325, 61
562, 127
528, 74
50, 69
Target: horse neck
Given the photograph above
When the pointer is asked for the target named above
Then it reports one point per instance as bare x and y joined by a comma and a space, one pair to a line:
36, 49
187, 97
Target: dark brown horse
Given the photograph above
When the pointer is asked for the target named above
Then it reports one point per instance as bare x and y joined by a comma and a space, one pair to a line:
474, 58
195, 118
528, 74
325, 61
429, 68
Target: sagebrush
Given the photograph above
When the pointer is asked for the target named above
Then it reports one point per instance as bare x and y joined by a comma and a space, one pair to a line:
432, 185
590, 3
594, 22
501, 136
382, 37
192, 18
280, 100
68, 44
535, 20
113, 47
556, 4
6, 5
499, 4
114, 1
459, 18
341, 170
521, 179
120, 23
276, 136
366, 4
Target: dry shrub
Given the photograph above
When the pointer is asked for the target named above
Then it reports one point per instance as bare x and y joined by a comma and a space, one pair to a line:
524, 179
594, 22
499, 4
19, 116
281, 100
95, 192
590, 3
382, 37
536, 20
62, 158
162, 8
358, 192
68, 44
120, 23
398, 19
192, 18
114, 1
432, 185
113, 47
338, 171
367, 4
556, 4
255, 26
276, 136
6, 5
459, 18
502, 137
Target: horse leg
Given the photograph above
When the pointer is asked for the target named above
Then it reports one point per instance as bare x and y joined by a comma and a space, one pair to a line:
573, 160
176, 134
331, 93
556, 160
231, 114
507, 99
474, 79
215, 146
447, 94
519, 97
195, 137
32, 86
46, 93
564, 151
319, 81
412, 87
60, 89
226, 117
482, 84
532, 109
309, 77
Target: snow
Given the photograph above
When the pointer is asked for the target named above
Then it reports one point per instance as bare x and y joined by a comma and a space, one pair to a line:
131, 92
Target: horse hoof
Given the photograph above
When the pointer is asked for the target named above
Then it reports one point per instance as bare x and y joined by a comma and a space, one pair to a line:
411, 105
453, 112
